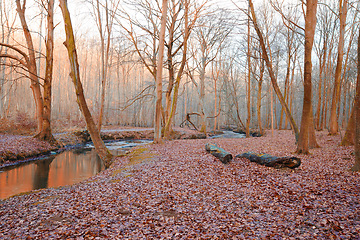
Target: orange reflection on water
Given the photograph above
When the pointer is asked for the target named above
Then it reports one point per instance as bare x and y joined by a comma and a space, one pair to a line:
65, 169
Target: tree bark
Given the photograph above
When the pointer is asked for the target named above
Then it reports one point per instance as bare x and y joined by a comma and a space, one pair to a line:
46, 134
310, 23
100, 147
322, 61
180, 71
31, 66
220, 153
248, 106
258, 102
312, 136
349, 137
271, 161
334, 125
356, 166
157, 131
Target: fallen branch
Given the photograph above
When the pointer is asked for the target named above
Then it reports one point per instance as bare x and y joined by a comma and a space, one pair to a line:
218, 152
271, 161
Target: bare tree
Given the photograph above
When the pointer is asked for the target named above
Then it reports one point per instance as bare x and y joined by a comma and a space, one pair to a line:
271, 72
334, 126
104, 14
100, 147
356, 166
46, 134
157, 131
27, 61
31, 65
212, 31
310, 24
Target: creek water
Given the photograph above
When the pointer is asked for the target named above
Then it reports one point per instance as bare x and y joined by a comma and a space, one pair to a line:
229, 134
66, 168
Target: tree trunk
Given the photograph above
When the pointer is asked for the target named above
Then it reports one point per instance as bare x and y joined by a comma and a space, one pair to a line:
171, 77
271, 73
312, 136
349, 137
220, 153
334, 125
215, 101
103, 67
100, 147
356, 166
271, 161
202, 89
180, 71
321, 69
248, 104
46, 134
157, 131
287, 76
35, 85
310, 23
258, 102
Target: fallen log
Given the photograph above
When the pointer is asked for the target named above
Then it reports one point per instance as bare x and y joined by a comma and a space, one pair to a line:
221, 154
271, 161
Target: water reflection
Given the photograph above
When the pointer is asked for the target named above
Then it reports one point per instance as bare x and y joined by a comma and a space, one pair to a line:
41, 176
66, 168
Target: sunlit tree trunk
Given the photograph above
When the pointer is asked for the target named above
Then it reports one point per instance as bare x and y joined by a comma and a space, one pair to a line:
171, 71
46, 134
157, 131
310, 23
333, 124
100, 147
187, 29
31, 66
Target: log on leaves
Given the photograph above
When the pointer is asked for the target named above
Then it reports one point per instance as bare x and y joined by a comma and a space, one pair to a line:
221, 154
271, 161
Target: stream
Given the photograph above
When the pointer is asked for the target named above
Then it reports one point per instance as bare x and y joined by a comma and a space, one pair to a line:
66, 168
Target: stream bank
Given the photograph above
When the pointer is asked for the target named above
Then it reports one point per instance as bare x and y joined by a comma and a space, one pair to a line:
17, 148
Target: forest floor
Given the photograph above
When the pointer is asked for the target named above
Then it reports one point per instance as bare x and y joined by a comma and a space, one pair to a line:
176, 190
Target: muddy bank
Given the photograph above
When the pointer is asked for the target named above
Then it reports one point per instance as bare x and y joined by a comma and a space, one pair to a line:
15, 148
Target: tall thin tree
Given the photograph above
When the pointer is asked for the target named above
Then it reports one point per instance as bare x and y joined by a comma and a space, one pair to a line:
100, 147
310, 24
334, 126
356, 166
157, 128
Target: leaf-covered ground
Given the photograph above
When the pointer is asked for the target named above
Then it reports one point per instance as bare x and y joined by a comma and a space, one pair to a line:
177, 190
14, 147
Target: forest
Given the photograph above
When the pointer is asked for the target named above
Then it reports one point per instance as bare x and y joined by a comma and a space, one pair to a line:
287, 72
